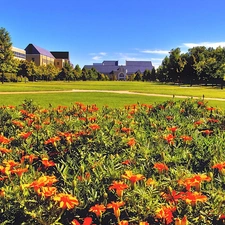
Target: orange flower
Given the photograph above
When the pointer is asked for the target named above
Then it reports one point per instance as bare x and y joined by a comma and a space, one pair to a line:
5, 150
169, 138
207, 132
133, 178
182, 221
47, 191
52, 140
94, 126
173, 196
199, 122
131, 142
194, 197
186, 138
161, 167
126, 130
166, 214
19, 171
87, 221
173, 129
66, 201
123, 222
194, 181
219, 166
4, 140
97, 209
43, 181
25, 135
143, 223
47, 163
150, 181
29, 157
119, 186
115, 206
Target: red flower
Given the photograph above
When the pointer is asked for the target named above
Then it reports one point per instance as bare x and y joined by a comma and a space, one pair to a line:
133, 178
186, 138
119, 186
161, 167
97, 209
19, 171
94, 126
166, 214
87, 221
47, 163
116, 207
66, 201
131, 142
169, 138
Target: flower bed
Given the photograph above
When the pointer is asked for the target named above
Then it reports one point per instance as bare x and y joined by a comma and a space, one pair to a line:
143, 164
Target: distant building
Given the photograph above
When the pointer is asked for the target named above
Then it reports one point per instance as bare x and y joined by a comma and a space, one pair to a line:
60, 58
112, 68
19, 53
38, 55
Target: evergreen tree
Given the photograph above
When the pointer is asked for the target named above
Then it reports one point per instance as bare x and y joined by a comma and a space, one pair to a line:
6, 54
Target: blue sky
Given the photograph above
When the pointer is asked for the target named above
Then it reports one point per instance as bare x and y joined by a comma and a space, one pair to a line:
97, 30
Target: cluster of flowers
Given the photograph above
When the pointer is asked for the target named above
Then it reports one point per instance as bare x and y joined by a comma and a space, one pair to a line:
144, 164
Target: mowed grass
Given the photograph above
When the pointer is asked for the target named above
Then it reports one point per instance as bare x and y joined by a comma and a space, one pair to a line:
110, 99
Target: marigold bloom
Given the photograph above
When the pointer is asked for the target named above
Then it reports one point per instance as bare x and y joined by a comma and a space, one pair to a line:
4, 140
131, 142
172, 129
47, 163
19, 171
5, 150
173, 196
194, 197
169, 138
52, 140
25, 135
87, 221
133, 178
126, 130
143, 223
127, 162
166, 214
66, 201
161, 167
197, 123
182, 221
150, 181
43, 181
94, 126
194, 181
219, 166
116, 207
123, 222
47, 191
206, 132
97, 209
186, 138
119, 186
30, 158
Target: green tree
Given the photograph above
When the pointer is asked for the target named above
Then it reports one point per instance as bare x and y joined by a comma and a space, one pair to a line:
6, 54
77, 72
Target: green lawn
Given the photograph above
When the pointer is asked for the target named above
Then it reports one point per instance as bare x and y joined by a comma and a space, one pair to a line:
110, 99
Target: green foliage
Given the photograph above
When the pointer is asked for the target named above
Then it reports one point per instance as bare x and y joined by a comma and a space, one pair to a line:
88, 149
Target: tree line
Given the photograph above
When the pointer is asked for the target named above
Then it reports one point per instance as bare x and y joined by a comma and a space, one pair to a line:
200, 65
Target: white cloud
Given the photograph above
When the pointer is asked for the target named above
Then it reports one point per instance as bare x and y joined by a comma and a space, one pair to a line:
161, 52
102, 53
96, 58
206, 44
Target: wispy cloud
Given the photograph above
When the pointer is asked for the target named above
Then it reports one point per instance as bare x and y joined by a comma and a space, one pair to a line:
206, 44
102, 53
160, 52
96, 58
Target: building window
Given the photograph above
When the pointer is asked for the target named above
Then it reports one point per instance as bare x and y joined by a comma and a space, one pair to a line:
33, 59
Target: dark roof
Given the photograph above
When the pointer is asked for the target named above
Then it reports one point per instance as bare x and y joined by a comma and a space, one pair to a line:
131, 66
34, 49
60, 55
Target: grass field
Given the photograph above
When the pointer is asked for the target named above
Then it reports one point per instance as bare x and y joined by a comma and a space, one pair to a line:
110, 99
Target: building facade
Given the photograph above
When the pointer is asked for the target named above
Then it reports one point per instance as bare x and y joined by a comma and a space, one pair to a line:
121, 72
60, 58
39, 55
19, 53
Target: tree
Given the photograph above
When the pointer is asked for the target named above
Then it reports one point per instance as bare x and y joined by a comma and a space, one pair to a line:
77, 72
6, 54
